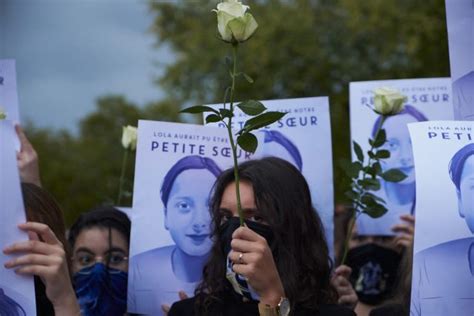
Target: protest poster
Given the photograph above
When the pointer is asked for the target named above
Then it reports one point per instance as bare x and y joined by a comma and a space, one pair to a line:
17, 293
302, 137
460, 23
8, 95
443, 270
176, 167
427, 99
8, 90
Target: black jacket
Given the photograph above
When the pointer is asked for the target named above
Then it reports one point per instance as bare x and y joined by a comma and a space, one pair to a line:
233, 305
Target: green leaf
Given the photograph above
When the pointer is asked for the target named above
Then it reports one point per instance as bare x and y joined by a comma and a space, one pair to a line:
375, 197
351, 169
369, 184
382, 154
251, 107
368, 200
262, 120
371, 155
248, 142
393, 175
226, 113
355, 168
377, 168
375, 211
351, 195
358, 151
248, 78
370, 170
198, 109
212, 118
381, 139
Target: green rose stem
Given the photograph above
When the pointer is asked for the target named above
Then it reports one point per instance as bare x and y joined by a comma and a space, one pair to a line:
122, 177
355, 211
231, 136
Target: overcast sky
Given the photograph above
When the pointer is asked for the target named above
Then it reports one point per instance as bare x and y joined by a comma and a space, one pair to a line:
70, 52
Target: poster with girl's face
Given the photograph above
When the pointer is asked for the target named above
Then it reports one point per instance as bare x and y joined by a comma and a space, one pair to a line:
460, 22
176, 167
428, 99
303, 138
17, 293
443, 263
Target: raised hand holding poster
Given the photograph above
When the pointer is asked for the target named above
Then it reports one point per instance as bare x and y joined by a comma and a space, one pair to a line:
443, 263
428, 99
17, 294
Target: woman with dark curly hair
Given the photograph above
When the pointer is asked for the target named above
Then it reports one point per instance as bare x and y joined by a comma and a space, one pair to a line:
278, 263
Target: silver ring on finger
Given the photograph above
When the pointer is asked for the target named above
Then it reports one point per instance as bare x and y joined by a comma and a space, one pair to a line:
241, 260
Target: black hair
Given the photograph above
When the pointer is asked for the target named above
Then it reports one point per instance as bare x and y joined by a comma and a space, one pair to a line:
186, 163
102, 217
283, 199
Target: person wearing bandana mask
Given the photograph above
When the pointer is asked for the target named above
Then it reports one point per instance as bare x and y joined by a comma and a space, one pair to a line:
278, 262
100, 243
375, 264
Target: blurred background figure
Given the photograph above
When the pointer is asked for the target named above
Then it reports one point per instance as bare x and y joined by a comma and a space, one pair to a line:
99, 240
380, 265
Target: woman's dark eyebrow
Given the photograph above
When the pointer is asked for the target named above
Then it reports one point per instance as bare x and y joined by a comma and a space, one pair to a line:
223, 209
250, 209
84, 249
116, 249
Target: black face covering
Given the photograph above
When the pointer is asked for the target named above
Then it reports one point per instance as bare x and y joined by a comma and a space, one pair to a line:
233, 223
238, 282
374, 270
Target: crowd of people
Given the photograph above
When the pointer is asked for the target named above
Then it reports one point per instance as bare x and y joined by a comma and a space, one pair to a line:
278, 263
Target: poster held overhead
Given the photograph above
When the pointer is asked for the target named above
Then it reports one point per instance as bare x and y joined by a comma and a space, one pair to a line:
17, 292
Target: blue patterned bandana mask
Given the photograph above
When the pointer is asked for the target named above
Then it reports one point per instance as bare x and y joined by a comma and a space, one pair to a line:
101, 290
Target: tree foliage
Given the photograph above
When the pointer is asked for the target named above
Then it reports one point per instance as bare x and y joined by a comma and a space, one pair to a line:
304, 48
83, 171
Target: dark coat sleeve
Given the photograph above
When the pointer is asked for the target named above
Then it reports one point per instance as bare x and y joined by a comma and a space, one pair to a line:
335, 310
182, 308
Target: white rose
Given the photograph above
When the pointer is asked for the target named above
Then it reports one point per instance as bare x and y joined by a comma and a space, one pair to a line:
233, 22
388, 101
129, 137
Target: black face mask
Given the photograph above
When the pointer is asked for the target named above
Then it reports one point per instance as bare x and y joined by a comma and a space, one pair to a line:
233, 223
374, 271
238, 282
